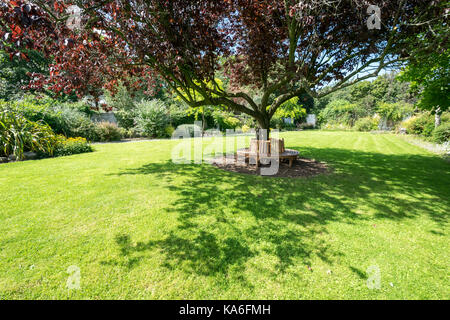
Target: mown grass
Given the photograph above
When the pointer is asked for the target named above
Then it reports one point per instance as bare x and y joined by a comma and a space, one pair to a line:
140, 227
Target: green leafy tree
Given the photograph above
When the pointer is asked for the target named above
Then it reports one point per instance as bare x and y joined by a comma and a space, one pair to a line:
14, 72
428, 68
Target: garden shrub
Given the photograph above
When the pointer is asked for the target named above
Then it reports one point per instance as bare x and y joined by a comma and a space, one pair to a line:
277, 122
19, 135
231, 122
65, 119
442, 133
225, 120
188, 130
152, 118
422, 124
395, 112
69, 146
131, 133
169, 131
106, 132
124, 105
179, 115
367, 124
341, 113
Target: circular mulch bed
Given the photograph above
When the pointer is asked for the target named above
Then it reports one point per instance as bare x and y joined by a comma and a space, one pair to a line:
301, 168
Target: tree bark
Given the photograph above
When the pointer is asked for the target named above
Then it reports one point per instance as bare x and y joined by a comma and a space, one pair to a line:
437, 117
264, 124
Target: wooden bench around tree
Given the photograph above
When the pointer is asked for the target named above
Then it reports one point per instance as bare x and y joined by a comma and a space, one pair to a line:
262, 150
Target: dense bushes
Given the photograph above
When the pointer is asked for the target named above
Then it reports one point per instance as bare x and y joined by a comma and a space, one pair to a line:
19, 135
69, 146
394, 112
65, 119
123, 104
422, 124
225, 120
106, 132
442, 133
278, 122
152, 118
342, 112
367, 124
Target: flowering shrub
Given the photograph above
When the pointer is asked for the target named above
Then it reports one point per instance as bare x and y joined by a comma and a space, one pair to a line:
68, 146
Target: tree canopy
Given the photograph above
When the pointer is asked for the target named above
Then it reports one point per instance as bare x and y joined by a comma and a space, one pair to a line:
428, 68
280, 49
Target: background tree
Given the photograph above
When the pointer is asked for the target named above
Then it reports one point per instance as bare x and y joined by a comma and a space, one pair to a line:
282, 48
15, 72
428, 69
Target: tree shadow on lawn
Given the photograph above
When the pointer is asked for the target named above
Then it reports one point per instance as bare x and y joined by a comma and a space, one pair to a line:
224, 219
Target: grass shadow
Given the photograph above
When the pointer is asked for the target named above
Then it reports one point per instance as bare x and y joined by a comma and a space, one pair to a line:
225, 219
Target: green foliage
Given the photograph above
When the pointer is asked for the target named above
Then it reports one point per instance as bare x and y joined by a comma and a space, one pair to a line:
14, 73
367, 124
69, 146
189, 129
422, 124
306, 126
291, 109
442, 133
395, 112
19, 135
245, 128
428, 68
277, 122
341, 112
152, 118
63, 118
124, 106
225, 120
179, 114
106, 131
169, 131
367, 94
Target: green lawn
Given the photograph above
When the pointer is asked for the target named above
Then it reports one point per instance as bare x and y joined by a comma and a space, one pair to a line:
139, 226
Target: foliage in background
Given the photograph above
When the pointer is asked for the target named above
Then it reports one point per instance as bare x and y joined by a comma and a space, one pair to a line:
19, 135
367, 123
395, 112
152, 118
428, 67
123, 104
342, 112
69, 146
14, 73
291, 109
63, 118
442, 133
106, 132
368, 94
421, 124
225, 120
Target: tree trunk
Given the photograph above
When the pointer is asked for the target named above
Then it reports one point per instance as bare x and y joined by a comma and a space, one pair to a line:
264, 124
203, 123
437, 117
